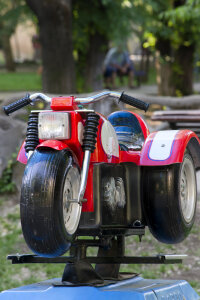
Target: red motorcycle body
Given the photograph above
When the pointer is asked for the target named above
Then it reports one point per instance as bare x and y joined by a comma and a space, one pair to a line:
108, 160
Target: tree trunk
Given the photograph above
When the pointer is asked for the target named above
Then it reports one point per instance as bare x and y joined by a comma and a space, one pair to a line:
163, 67
55, 24
176, 78
175, 66
163, 76
182, 70
94, 62
10, 64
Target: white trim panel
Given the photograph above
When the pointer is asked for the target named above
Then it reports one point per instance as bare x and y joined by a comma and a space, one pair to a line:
162, 145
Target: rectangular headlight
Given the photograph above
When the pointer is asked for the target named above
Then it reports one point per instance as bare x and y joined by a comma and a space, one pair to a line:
53, 126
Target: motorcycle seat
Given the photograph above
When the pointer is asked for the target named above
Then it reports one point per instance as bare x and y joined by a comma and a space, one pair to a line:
128, 130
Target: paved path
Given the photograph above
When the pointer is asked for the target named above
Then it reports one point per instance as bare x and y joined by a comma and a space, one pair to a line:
143, 89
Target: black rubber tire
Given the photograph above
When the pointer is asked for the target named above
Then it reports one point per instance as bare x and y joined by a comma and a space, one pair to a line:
41, 205
162, 203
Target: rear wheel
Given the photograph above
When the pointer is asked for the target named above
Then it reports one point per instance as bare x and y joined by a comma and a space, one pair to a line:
169, 200
49, 219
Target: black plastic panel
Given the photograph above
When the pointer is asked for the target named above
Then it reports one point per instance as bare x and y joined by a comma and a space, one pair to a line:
121, 220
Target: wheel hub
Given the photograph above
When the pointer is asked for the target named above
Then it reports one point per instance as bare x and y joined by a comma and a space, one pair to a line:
71, 210
187, 189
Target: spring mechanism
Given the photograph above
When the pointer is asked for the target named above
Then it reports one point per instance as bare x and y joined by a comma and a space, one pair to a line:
32, 139
90, 132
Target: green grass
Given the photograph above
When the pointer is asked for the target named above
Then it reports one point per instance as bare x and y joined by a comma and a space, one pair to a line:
152, 75
11, 241
2, 60
20, 81
24, 80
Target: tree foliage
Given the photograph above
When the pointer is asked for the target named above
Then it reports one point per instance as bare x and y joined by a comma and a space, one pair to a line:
109, 18
171, 27
11, 13
174, 20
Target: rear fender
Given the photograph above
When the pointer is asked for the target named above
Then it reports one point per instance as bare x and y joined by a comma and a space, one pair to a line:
168, 147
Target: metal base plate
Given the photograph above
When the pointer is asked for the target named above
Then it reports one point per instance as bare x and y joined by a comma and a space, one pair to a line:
134, 288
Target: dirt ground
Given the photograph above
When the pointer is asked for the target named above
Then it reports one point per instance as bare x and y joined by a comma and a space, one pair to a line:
189, 270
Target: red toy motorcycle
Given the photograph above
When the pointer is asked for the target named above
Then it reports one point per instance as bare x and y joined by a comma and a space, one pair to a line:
88, 175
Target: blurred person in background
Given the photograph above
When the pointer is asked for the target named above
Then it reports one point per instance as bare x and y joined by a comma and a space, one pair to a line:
118, 63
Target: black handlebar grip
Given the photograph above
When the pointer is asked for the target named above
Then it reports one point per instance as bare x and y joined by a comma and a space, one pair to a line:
134, 102
10, 108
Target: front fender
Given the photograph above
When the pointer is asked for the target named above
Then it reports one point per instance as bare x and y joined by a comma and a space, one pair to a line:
22, 156
168, 147
53, 144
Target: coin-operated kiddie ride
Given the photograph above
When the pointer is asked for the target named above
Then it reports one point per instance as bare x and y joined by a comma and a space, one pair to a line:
102, 179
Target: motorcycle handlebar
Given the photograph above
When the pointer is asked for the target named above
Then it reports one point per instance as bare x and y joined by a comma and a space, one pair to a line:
114, 95
28, 99
134, 102
10, 108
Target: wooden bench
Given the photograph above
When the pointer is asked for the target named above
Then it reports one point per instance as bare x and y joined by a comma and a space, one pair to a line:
180, 119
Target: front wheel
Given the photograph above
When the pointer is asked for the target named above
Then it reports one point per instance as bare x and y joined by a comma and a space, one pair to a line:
169, 200
49, 219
